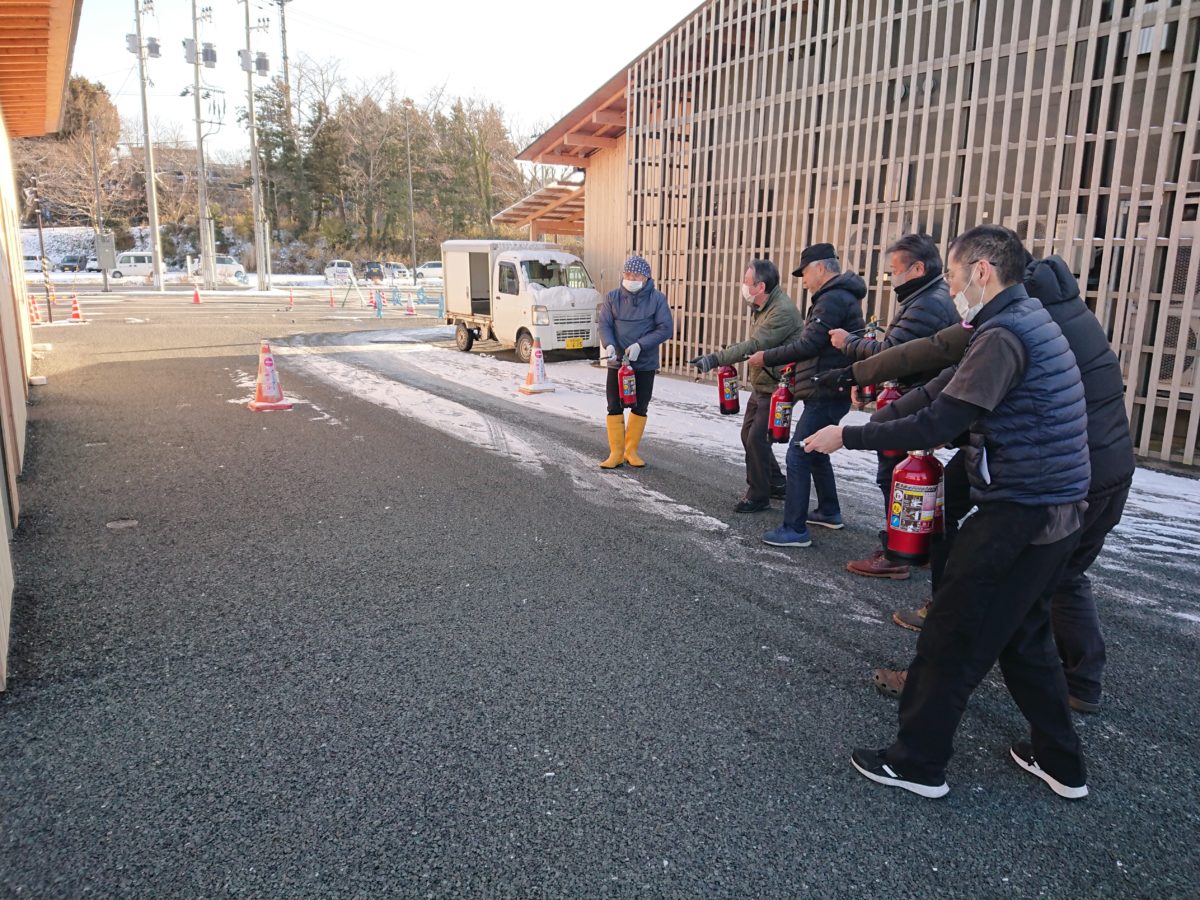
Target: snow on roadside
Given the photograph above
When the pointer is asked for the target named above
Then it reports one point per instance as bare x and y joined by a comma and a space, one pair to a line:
1162, 519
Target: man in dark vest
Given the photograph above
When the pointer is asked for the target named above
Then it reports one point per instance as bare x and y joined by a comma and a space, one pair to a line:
1018, 396
1073, 609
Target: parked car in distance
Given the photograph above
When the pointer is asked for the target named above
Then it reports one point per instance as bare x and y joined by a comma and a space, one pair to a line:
133, 264
34, 264
396, 271
339, 270
431, 269
373, 271
72, 263
227, 267
93, 265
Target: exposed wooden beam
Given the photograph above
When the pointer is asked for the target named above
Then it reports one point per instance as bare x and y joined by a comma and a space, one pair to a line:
579, 139
608, 117
556, 226
561, 159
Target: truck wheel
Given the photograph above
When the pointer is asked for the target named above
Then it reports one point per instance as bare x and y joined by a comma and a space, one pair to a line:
463, 339
116, 274
524, 346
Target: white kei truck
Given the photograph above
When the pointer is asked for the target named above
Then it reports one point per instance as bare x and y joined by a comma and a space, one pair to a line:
515, 291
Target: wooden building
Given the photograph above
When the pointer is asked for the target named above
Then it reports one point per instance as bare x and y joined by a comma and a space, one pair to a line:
755, 127
37, 39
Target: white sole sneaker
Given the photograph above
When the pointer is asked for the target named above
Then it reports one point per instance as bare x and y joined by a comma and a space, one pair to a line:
887, 775
1030, 765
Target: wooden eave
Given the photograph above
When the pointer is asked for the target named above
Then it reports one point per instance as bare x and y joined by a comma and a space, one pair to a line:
37, 42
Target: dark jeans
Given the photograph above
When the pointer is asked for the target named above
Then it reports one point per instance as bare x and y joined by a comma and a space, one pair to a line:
883, 478
644, 383
993, 603
802, 466
1073, 605
1073, 611
762, 469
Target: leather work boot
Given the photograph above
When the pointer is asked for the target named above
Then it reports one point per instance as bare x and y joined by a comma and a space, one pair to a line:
889, 682
912, 619
877, 565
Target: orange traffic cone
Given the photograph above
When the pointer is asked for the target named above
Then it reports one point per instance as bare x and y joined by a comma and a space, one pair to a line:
35, 314
331, 298
536, 381
410, 310
268, 392
76, 312
291, 299
195, 295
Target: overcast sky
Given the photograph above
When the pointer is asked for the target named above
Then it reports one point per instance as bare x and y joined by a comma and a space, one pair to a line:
534, 58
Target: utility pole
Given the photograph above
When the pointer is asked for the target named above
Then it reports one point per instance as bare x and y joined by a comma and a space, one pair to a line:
261, 243
151, 188
287, 78
208, 261
35, 198
98, 220
412, 217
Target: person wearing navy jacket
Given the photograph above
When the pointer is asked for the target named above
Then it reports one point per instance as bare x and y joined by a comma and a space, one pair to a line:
634, 321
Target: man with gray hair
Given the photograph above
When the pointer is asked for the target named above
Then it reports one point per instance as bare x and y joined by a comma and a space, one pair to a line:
836, 303
774, 320
915, 267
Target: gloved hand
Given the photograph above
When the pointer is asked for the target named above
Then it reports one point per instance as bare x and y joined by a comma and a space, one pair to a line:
839, 381
632, 351
608, 352
705, 363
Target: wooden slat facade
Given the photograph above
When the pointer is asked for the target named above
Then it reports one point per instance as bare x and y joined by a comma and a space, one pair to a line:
756, 127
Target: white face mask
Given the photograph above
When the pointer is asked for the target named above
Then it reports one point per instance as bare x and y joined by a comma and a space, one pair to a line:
747, 294
966, 310
632, 286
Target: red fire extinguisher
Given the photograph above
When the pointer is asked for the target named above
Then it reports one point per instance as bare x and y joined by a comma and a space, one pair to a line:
913, 512
889, 394
628, 383
727, 390
780, 421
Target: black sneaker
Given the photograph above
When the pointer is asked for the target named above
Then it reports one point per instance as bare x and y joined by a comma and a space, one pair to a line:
752, 506
1022, 754
871, 764
779, 492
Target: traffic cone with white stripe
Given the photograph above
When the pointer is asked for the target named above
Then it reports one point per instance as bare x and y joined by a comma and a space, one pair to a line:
410, 310
196, 295
268, 392
76, 312
35, 314
536, 381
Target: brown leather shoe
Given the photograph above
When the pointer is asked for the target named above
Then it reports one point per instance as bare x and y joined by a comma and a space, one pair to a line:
889, 682
912, 619
877, 565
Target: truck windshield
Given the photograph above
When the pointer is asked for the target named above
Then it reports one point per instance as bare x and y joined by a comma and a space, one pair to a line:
552, 273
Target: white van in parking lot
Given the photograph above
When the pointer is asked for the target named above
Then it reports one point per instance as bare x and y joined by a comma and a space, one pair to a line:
339, 270
132, 265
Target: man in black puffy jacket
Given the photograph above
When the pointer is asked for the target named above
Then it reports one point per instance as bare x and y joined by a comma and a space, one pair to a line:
836, 303
925, 308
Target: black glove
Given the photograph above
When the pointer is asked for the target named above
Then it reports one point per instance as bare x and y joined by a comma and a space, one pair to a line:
705, 363
837, 380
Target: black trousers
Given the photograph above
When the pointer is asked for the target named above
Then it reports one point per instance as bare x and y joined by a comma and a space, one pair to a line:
762, 468
1073, 609
993, 604
644, 384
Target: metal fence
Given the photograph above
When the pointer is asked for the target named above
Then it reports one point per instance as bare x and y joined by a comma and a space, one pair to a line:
757, 127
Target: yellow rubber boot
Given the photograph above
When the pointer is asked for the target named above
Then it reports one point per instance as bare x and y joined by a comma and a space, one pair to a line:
616, 442
633, 437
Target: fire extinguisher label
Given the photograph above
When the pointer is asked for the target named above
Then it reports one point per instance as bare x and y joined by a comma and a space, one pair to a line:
629, 386
783, 415
914, 508
729, 389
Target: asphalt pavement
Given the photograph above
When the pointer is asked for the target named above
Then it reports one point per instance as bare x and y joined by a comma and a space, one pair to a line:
334, 652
